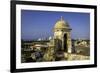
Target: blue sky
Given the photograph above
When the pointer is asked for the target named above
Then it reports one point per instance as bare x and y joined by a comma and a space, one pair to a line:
39, 24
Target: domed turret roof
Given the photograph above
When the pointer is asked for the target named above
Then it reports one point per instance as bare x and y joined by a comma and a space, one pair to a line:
61, 24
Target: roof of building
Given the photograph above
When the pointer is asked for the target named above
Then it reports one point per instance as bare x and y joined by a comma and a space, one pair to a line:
61, 24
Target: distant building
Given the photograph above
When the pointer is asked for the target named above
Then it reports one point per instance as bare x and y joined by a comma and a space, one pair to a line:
81, 42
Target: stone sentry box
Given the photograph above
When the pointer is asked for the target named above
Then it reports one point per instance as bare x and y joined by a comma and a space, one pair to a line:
62, 36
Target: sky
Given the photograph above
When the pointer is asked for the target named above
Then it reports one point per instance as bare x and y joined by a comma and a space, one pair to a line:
39, 24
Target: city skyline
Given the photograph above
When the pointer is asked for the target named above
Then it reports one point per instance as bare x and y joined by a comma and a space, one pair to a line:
39, 24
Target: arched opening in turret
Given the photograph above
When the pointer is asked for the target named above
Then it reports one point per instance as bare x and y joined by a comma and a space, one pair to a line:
65, 43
